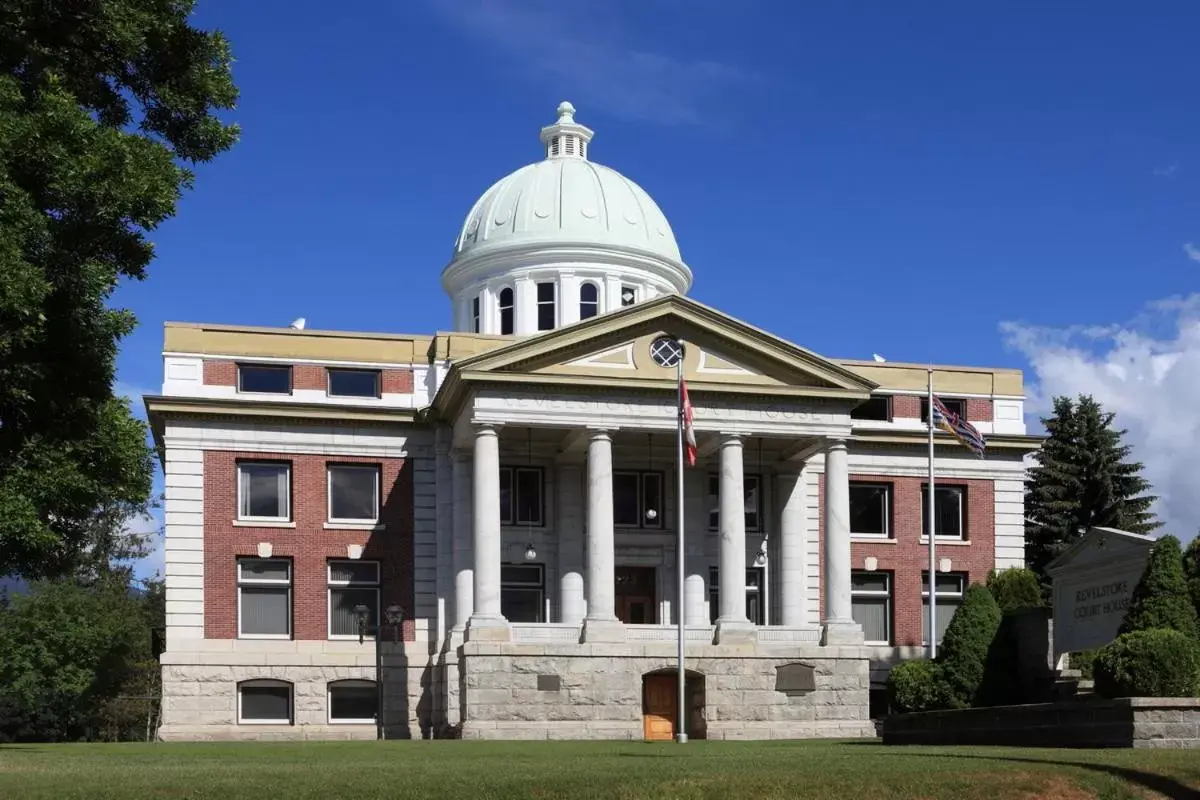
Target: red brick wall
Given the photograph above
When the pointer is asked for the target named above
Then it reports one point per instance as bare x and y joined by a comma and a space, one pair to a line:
906, 556
219, 373
908, 406
398, 381
309, 544
309, 376
305, 376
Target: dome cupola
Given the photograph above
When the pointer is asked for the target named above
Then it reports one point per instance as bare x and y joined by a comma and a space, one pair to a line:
560, 240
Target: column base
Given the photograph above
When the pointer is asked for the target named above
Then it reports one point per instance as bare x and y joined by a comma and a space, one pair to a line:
736, 632
837, 632
603, 630
487, 629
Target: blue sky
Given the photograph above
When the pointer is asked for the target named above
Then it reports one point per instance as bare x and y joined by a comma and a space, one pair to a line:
1010, 185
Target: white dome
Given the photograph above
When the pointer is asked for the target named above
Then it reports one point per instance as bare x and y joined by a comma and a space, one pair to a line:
552, 228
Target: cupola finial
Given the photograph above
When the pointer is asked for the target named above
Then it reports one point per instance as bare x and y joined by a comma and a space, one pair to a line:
566, 138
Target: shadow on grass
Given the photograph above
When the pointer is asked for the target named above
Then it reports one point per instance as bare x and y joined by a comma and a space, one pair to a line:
1161, 784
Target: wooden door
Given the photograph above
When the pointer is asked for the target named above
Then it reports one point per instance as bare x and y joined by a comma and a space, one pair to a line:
635, 595
658, 707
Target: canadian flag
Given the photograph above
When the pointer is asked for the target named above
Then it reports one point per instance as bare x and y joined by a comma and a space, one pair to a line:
689, 433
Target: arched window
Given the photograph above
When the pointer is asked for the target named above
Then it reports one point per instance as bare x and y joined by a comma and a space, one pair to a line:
475, 313
545, 306
353, 702
507, 315
264, 702
589, 301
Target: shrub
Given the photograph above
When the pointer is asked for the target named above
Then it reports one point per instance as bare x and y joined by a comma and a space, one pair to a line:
1084, 661
1191, 571
964, 649
1161, 598
1151, 663
1015, 589
916, 685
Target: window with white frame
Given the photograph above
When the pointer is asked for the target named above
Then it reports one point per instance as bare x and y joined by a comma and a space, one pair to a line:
353, 382
589, 300
752, 492
754, 594
871, 604
264, 378
264, 598
523, 592
264, 491
521, 490
637, 499
950, 511
546, 306
353, 584
264, 702
949, 587
871, 509
353, 493
508, 311
353, 702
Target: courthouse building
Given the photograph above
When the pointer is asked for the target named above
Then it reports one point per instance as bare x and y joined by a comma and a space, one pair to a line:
473, 533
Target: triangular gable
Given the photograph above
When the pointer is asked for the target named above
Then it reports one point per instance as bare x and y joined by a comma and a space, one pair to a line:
1101, 546
721, 351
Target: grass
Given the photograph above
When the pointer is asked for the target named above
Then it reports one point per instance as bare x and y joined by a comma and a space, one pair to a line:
485, 770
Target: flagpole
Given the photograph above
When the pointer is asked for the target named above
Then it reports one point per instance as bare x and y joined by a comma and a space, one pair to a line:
681, 708
931, 516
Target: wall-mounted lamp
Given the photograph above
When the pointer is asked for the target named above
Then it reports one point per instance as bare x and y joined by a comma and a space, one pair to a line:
530, 552
361, 615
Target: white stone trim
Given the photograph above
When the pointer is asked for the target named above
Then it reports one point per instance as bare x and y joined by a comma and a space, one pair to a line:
368, 441
287, 360
183, 545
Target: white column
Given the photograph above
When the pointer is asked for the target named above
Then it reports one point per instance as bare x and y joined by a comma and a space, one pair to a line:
570, 544
601, 624
732, 624
695, 538
464, 563
839, 621
487, 616
792, 577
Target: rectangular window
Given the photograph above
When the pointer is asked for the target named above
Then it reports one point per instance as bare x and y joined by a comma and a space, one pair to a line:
954, 406
475, 314
264, 379
638, 499
878, 407
949, 587
754, 595
752, 492
521, 496
264, 598
353, 702
546, 312
871, 604
871, 509
950, 511
628, 296
353, 493
264, 702
264, 491
353, 383
523, 592
353, 584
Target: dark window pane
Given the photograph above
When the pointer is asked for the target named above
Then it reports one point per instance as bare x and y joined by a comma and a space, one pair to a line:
625, 498
352, 493
872, 614
545, 292
267, 703
949, 510
946, 606
714, 502
353, 702
545, 306
265, 611
589, 301
342, 619
506, 311
521, 605
506, 506
529, 497
254, 569
259, 378
878, 407
958, 407
475, 313
354, 382
264, 490
521, 574
652, 500
354, 572
869, 509
753, 501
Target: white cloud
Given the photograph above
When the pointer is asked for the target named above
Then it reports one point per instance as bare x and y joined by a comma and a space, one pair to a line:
1192, 251
590, 51
1148, 372
154, 562
1167, 171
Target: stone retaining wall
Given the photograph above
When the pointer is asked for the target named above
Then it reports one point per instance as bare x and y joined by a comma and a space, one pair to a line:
1129, 722
594, 691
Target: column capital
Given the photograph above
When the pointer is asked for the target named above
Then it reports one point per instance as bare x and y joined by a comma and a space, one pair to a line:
599, 434
487, 428
732, 438
835, 444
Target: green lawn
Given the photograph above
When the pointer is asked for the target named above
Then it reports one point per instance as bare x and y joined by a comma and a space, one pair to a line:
481, 770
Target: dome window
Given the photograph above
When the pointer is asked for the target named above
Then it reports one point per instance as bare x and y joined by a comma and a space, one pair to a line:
554, 145
475, 313
628, 296
589, 301
507, 316
570, 145
545, 306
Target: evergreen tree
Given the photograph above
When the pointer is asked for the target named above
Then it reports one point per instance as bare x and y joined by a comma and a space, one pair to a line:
1191, 571
1161, 598
1082, 478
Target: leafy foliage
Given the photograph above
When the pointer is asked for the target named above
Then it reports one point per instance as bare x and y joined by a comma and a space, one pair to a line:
1161, 598
964, 651
1082, 479
1015, 589
101, 103
916, 685
1149, 663
1191, 571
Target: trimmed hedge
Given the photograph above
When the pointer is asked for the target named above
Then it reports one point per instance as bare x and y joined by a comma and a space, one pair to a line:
1161, 598
916, 685
963, 654
1015, 589
1152, 663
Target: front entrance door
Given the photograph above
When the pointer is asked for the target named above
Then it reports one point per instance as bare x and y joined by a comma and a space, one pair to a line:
635, 595
658, 707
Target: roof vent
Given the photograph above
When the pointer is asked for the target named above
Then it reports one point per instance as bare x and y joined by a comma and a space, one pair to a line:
566, 138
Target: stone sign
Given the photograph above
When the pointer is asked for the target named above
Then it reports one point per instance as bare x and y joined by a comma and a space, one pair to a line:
1092, 584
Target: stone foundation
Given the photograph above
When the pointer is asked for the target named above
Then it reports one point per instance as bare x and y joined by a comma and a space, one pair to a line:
594, 691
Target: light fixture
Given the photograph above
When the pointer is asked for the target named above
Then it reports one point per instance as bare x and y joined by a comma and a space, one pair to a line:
651, 514
394, 614
361, 613
530, 552
760, 558
627, 296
